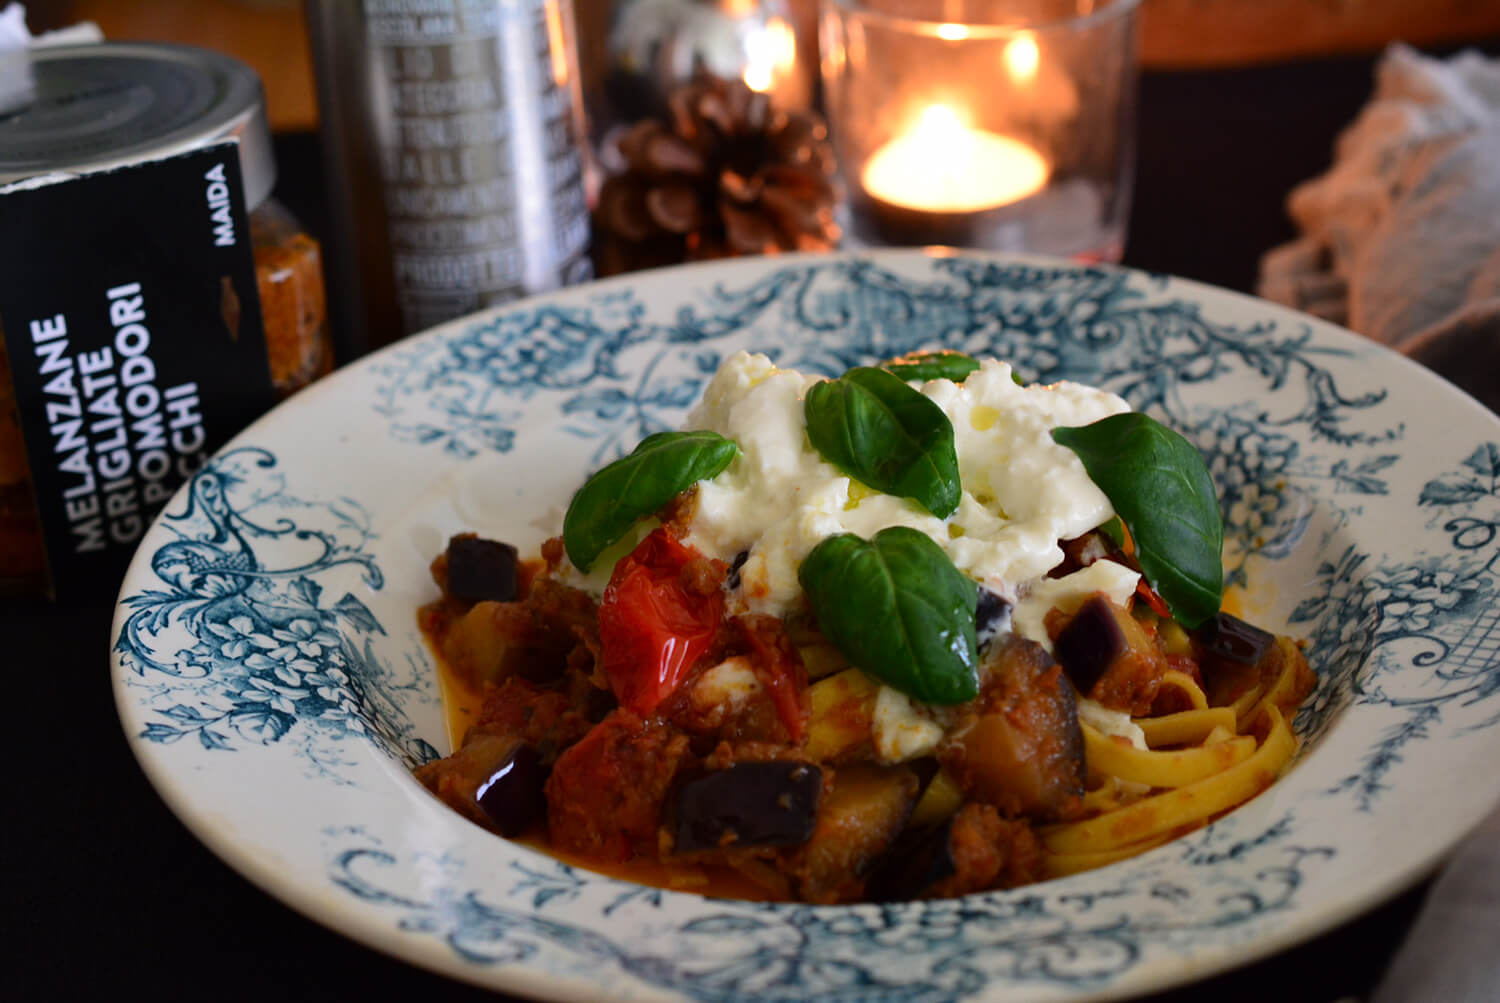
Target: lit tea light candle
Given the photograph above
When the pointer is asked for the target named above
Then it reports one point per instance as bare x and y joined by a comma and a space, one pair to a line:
944, 166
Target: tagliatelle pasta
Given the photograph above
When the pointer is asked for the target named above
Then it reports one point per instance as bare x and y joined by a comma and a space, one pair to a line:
1196, 776
1181, 808
1184, 683
1059, 865
1165, 767
1185, 727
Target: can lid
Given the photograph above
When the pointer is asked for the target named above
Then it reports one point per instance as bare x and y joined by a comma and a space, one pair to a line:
116, 103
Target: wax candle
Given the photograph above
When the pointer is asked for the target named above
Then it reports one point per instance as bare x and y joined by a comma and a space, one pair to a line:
995, 126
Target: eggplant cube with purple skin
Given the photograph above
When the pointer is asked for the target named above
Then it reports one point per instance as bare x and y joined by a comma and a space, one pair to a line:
749, 804
480, 569
1109, 656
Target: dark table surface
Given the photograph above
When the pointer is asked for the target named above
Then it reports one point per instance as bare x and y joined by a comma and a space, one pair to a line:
106, 893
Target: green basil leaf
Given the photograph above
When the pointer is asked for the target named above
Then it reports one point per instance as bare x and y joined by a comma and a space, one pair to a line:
1162, 491
1115, 531
897, 608
953, 366
635, 486
884, 434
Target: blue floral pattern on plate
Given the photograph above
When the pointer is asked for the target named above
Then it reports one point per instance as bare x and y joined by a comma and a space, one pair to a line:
271, 657
269, 615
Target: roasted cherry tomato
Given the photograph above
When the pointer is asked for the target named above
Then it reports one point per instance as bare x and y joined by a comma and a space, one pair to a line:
651, 628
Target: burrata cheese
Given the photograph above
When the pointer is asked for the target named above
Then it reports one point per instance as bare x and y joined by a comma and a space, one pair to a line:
1022, 492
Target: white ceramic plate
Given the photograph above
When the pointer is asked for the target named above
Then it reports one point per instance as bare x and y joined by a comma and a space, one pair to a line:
273, 683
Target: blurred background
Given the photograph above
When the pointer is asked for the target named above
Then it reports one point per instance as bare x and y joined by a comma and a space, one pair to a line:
1250, 93
271, 35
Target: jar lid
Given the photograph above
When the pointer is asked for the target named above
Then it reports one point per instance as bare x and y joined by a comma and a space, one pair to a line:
116, 103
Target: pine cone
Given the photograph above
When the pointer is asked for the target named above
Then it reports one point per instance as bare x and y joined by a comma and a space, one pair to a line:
730, 175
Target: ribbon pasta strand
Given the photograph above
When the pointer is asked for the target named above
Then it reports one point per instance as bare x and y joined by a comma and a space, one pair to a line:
1183, 807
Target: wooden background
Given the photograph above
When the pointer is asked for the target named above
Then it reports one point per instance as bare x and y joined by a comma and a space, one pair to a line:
1177, 34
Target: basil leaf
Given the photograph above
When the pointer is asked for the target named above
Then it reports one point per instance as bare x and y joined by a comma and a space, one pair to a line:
881, 432
953, 366
1162, 491
897, 608
635, 486
1115, 531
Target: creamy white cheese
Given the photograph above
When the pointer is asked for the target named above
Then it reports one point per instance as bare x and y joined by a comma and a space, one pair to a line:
1068, 593
730, 683
900, 729
1110, 722
1022, 492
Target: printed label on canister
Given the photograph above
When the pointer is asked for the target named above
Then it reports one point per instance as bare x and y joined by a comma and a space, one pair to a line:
133, 333
483, 179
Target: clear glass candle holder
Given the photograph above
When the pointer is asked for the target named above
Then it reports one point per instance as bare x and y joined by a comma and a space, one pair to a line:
997, 124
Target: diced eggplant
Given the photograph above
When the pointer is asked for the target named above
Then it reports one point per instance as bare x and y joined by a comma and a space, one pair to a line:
1005, 766
926, 768
918, 860
940, 798
970, 851
481, 569
494, 779
822, 660
1090, 643
867, 807
749, 804
512, 795
533, 638
1233, 657
1226, 638
1019, 746
481, 644
841, 716
1110, 657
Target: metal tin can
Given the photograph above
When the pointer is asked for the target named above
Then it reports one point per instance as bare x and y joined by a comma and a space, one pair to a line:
456, 172
93, 107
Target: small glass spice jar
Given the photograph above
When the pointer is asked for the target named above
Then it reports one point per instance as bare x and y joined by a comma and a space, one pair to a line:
95, 107
289, 278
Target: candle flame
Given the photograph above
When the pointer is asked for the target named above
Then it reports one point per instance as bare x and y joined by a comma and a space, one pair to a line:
757, 77
944, 165
939, 124
952, 32
1022, 58
773, 51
